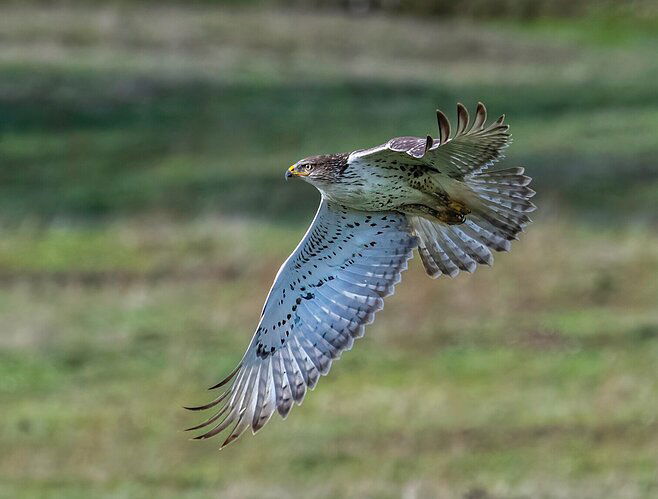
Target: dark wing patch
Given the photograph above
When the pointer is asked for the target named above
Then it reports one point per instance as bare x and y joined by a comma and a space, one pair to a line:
413, 146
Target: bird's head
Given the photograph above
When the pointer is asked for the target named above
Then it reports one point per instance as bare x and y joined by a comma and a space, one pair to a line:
319, 170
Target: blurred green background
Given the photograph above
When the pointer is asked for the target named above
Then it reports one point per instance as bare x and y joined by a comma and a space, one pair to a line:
143, 215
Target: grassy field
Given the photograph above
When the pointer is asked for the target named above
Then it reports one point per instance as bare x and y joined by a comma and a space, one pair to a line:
143, 215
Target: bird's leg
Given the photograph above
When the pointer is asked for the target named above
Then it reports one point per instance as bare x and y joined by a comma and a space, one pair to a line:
452, 213
420, 210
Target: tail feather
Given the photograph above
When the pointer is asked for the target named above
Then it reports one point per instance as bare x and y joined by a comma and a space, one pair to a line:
510, 193
507, 225
498, 214
455, 254
509, 177
506, 210
435, 258
459, 255
474, 248
511, 204
489, 235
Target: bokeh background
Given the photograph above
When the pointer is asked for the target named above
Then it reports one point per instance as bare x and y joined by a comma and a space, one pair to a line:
143, 215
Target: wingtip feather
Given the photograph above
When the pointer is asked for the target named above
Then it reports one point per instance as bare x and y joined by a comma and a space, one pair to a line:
462, 119
444, 126
227, 378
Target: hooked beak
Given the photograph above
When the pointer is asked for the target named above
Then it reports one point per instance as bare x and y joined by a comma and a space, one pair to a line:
292, 172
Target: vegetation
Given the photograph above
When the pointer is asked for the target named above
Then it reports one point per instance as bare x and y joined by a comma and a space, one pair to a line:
143, 216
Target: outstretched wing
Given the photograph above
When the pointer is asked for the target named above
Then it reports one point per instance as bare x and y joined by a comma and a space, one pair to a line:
323, 296
473, 147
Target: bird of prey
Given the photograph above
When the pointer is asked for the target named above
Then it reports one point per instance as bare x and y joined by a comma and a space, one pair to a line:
438, 195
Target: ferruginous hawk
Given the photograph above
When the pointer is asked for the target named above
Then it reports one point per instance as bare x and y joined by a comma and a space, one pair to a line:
437, 195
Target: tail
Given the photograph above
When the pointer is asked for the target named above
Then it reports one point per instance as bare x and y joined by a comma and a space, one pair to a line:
499, 212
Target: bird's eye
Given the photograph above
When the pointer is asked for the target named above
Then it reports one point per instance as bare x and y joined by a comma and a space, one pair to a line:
308, 167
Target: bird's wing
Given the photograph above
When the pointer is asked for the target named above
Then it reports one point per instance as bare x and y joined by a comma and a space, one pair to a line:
323, 296
472, 148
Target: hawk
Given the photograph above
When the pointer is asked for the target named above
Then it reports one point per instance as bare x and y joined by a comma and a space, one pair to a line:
437, 195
